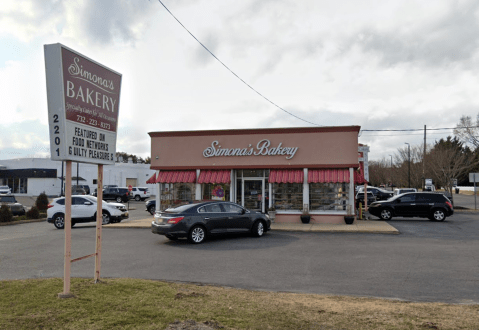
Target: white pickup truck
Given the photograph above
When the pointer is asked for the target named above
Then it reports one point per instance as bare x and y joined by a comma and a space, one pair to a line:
139, 193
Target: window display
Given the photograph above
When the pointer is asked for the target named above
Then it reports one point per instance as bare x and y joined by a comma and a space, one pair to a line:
328, 196
215, 191
288, 196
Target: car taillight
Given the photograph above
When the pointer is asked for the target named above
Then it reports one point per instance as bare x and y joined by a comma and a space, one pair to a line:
144, 193
450, 205
175, 220
50, 205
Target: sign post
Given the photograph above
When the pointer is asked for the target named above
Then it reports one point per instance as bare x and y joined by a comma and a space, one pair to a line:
473, 177
83, 106
130, 188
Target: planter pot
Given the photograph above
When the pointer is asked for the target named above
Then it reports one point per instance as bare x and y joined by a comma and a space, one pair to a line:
305, 218
272, 215
349, 220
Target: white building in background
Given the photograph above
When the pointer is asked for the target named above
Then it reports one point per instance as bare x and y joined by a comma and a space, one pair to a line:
32, 176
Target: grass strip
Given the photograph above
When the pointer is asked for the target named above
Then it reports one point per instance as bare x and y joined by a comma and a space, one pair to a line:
144, 304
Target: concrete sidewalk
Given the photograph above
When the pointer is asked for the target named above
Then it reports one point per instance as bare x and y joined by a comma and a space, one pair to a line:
360, 226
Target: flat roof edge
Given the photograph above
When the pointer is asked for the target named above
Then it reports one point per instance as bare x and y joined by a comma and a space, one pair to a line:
251, 131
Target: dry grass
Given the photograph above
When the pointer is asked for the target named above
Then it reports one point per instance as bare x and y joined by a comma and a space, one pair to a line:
144, 304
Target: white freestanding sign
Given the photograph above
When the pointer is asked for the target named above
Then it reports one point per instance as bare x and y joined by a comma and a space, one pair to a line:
83, 104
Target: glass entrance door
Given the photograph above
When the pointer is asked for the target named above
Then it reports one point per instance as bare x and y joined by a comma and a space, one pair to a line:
253, 194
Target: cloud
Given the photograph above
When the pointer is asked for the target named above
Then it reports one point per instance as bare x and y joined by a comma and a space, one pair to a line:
450, 38
24, 139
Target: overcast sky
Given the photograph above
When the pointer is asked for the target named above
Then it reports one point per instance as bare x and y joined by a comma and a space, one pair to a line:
397, 64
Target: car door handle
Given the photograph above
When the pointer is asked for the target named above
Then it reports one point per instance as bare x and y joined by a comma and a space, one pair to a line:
207, 218
413, 204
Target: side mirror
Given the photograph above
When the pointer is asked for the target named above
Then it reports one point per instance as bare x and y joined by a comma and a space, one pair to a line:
88, 203
243, 211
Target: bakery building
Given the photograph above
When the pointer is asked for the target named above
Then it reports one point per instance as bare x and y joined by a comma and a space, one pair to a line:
291, 170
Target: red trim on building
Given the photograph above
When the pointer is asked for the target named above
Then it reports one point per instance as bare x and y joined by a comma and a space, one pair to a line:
359, 175
237, 167
222, 176
333, 175
286, 176
258, 131
176, 176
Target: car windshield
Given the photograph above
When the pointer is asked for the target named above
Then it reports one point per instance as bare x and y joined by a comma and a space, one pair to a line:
92, 198
395, 197
180, 209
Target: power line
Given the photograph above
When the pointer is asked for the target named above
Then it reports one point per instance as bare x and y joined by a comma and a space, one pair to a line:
244, 82
289, 113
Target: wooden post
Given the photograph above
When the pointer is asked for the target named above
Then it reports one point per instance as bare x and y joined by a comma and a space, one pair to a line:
68, 233
99, 221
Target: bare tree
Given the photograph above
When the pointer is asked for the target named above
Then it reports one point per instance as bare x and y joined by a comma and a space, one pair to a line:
410, 165
467, 131
448, 160
379, 172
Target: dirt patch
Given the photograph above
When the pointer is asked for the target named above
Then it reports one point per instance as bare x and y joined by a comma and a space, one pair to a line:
193, 325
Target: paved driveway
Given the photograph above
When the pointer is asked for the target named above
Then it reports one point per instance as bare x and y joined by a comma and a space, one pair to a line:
428, 261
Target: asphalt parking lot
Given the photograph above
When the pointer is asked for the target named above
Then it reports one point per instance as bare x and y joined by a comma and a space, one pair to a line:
427, 261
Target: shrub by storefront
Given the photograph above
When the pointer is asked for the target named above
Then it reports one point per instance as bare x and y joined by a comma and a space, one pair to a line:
42, 202
5, 214
33, 213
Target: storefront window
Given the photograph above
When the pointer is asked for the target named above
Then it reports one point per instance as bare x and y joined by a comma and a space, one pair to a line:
328, 196
288, 196
174, 194
215, 191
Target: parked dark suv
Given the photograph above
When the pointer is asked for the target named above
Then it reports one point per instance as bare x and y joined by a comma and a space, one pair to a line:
436, 207
379, 193
117, 194
360, 198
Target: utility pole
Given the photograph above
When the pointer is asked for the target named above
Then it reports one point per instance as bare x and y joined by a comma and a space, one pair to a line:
409, 164
424, 161
391, 172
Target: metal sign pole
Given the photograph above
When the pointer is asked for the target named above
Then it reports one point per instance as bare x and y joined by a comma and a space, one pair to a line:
68, 232
475, 196
99, 221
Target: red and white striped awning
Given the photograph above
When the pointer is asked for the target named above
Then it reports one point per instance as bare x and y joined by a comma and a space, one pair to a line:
286, 176
215, 176
176, 176
152, 179
328, 175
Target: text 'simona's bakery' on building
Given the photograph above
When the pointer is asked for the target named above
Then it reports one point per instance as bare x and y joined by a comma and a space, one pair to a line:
293, 170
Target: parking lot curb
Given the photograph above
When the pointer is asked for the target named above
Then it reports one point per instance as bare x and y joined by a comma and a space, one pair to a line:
11, 223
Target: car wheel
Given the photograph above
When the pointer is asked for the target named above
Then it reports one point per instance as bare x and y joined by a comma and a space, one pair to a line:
258, 229
118, 199
386, 214
105, 218
59, 220
137, 198
152, 210
438, 215
197, 235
